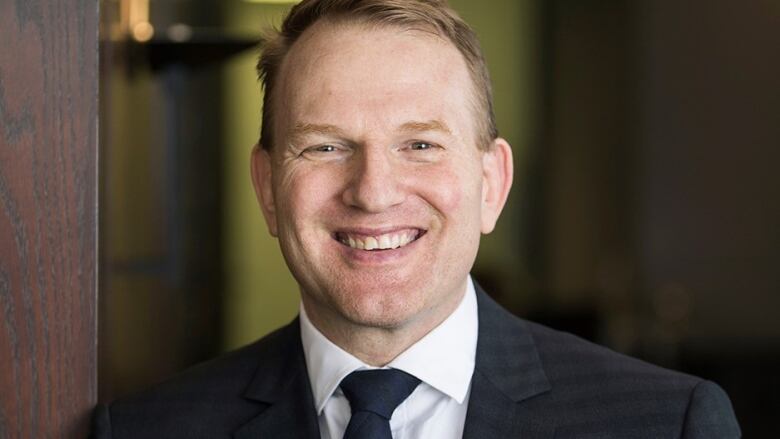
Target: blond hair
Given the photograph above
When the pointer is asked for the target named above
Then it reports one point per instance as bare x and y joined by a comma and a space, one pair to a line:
433, 16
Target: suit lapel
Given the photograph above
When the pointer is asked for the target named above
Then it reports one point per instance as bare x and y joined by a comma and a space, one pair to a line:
508, 372
507, 375
282, 385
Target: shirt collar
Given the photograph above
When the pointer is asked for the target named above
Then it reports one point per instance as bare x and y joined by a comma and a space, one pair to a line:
444, 358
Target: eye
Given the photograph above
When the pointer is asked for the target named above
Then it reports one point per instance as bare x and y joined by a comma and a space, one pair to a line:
421, 146
320, 149
325, 151
324, 148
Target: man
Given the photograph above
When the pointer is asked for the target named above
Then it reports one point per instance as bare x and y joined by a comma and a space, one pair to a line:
378, 168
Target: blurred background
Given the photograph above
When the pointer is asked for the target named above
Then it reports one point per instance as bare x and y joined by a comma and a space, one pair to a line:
645, 213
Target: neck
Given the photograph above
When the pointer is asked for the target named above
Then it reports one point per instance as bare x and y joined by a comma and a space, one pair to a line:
377, 345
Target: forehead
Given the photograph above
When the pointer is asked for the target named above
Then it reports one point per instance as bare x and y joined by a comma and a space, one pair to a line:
368, 70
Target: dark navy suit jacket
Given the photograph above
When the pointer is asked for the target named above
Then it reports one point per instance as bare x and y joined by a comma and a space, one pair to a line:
529, 382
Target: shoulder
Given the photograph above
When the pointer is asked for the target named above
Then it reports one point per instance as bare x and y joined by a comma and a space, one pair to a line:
569, 359
223, 377
596, 387
206, 400
582, 389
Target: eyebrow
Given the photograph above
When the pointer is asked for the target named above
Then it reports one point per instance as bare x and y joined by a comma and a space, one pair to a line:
303, 129
429, 125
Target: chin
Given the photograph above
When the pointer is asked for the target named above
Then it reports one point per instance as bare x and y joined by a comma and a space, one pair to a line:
379, 309
385, 319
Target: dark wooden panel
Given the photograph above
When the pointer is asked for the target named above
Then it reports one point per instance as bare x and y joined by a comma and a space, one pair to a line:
48, 211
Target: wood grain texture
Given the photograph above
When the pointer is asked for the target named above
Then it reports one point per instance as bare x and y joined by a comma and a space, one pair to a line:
48, 213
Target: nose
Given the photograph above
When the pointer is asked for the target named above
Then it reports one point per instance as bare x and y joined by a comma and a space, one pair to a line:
374, 185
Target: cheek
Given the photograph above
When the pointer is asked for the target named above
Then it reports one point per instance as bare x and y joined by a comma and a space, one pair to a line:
302, 193
449, 190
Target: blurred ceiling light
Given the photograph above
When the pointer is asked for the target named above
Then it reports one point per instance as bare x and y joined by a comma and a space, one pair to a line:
143, 31
179, 32
134, 21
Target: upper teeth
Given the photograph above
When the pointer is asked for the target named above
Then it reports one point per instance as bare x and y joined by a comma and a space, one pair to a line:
380, 242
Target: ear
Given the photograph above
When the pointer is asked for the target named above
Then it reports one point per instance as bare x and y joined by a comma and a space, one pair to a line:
262, 181
497, 171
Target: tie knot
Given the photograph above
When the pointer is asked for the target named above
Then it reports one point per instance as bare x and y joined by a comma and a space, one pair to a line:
378, 391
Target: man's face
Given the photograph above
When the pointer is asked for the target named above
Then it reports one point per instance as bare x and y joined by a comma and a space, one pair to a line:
375, 187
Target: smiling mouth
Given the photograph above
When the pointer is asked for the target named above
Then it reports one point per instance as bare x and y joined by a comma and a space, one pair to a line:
386, 241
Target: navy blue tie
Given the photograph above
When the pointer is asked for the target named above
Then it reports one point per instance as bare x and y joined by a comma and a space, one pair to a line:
373, 396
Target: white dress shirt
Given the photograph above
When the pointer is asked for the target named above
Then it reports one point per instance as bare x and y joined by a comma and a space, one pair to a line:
443, 360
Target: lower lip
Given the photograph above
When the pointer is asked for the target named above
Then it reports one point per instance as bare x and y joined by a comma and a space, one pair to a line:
378, 256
